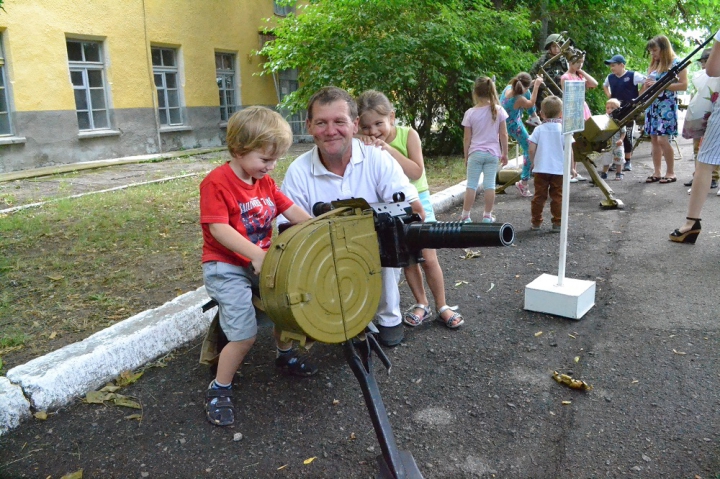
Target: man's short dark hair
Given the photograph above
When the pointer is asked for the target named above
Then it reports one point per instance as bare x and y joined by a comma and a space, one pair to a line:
330, 94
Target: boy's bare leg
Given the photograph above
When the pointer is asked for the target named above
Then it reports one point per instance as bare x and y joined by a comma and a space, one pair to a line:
231, 357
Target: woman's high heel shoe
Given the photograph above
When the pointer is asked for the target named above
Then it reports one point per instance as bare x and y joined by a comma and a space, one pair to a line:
689, 236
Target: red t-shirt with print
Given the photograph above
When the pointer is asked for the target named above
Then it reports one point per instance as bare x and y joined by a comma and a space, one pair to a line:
249, 209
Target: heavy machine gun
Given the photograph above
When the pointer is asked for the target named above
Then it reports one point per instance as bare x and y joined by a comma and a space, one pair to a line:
321, 280
600, 128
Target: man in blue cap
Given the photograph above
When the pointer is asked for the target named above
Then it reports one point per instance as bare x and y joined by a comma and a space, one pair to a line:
623, 85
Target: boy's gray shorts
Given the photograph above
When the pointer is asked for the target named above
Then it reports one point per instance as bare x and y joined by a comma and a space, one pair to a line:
232, 287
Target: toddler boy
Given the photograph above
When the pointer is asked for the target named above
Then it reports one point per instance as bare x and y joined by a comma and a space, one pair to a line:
546, 150
238, 202
617, 157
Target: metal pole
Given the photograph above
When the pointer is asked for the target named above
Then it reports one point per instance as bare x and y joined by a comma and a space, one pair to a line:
565, 207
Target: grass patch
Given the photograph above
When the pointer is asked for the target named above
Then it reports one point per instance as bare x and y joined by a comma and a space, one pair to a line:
75, 266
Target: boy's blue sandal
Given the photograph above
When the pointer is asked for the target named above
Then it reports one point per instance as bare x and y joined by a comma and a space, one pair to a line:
219, 407
295, 364
412, 319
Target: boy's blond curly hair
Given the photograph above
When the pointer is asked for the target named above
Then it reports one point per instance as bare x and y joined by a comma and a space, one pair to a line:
551, 107
257, 128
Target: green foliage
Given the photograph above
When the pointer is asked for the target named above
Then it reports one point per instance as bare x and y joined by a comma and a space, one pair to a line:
425, 55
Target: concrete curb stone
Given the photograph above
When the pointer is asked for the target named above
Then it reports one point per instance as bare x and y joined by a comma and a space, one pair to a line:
13, 405
53, 380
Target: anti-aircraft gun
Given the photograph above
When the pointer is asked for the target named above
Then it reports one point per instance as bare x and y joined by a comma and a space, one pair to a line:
600, 128
321, 281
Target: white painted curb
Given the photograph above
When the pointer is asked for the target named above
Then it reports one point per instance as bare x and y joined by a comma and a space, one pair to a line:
59, 377
13, 405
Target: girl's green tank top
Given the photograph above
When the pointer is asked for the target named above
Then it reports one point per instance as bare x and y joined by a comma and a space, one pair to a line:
400, 144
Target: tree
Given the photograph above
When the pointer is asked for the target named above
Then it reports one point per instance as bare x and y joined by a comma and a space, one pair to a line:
423, 54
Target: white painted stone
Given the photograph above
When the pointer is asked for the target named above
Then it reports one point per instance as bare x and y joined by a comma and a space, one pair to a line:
56, 378
444, 200
13, 405
571, 300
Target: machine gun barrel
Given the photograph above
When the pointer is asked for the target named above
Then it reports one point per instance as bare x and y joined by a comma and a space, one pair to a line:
457, 235
629, 111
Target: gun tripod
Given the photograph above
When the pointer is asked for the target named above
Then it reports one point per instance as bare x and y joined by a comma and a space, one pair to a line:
393, 463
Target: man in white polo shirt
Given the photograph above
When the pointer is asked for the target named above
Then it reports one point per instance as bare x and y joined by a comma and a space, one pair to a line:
342, 167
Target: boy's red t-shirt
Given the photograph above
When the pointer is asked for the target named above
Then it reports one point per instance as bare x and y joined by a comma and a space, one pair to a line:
249, 209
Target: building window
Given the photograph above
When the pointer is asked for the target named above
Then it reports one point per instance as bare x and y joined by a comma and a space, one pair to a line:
87, 74
283, 7
225, 74
5, 126
165, 71
287, 83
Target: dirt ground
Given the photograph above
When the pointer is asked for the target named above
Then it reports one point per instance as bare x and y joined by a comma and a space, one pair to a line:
474, 403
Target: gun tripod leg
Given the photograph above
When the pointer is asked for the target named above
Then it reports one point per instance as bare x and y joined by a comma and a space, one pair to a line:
610, 202
393, 463
513, 180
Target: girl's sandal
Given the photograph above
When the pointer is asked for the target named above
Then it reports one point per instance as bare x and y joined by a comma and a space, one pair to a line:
454, 321
412, 319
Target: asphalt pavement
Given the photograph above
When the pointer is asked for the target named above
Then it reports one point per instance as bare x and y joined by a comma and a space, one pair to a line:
478, 402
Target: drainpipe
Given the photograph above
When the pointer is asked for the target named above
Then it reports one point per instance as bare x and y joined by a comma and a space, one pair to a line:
153, 93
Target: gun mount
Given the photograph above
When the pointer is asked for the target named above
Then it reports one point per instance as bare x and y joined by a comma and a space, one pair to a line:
321, 280
600, 128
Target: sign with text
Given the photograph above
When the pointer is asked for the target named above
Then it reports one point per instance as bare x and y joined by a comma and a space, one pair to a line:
573, 106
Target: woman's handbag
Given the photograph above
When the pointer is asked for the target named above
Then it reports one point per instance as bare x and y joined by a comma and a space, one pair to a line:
700, 107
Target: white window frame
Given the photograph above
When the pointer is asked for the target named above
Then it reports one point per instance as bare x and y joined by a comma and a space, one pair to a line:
86, 90
222, 75
5, 94
165, 94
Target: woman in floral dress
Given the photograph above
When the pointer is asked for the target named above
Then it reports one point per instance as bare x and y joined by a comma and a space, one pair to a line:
661, 118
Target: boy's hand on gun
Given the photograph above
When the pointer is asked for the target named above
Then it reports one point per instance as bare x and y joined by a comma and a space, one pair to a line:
619, 143
257, 261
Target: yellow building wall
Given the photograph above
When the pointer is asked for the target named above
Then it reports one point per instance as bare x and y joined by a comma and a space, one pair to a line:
36, 55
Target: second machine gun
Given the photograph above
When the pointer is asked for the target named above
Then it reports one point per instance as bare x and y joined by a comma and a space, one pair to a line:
321, 281
600, 128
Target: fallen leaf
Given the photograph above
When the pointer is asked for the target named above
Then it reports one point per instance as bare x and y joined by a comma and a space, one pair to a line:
461, 282
309, 460
74, 475
96, 397
134, 416
126, 378
282, 467
125, 402
679, 352
56, 278
539, 333
52, 335
577, 359
566, 403
336, 402
110, 388
492, 285
574, 337
469, 254
634, 381
352, 436
42, 415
